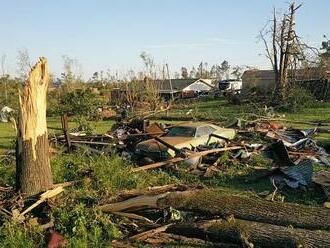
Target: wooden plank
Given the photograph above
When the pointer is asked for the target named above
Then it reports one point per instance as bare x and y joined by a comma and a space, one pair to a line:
176, 160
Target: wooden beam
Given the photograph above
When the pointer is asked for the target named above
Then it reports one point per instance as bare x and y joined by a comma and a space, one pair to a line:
176, 160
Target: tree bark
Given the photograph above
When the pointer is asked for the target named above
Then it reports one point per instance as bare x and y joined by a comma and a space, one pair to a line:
214, 203
177, 240
33, 173
245, 232
247, 208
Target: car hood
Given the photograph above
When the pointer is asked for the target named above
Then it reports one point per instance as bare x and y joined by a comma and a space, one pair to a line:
152, 145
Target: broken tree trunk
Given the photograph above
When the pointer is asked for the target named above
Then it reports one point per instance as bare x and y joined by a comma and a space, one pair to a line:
246, 232
215, 203
174, 240
248, 208
33, 173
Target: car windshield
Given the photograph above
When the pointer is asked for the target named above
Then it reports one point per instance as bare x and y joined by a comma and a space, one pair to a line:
181, 132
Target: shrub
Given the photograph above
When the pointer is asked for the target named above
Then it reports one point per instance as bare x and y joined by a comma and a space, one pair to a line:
298, 99
85, 227
79, 102
14, 235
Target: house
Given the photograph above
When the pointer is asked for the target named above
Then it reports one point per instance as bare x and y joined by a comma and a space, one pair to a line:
316, 79
263, 80
168, 89
184, 88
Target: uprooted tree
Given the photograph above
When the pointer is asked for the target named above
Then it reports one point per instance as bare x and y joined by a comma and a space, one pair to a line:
33, 171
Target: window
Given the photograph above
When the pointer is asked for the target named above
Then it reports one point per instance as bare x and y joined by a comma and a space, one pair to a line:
204, 130
181, 132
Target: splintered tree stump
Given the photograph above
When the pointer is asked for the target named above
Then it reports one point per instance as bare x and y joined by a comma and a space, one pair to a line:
33, 174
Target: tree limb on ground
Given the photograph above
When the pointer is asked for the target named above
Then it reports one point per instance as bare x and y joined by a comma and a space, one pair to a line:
213, 203
259, 234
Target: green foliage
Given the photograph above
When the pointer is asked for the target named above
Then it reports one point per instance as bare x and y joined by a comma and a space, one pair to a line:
259, 160
11, 86
75, 216
7, 172
80, 102
14, 235
83, 125
107, 174
85, 227
298, 99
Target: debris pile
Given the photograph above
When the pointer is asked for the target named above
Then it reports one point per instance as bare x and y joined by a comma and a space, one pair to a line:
291, 153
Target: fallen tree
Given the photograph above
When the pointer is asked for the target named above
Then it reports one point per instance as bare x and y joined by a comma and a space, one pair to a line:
213, 203
243, 232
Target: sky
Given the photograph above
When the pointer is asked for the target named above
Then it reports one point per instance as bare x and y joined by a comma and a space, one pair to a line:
111, 34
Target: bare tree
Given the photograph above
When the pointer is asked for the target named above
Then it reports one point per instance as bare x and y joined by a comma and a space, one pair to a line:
133, 90
284, 50
3, 72
225, 68
184, 72
192, 73
23, 63
237, 72
152, 94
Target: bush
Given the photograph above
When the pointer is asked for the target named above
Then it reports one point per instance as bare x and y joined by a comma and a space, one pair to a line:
85, 227
298, 99
83, 125
79, 102
14, 235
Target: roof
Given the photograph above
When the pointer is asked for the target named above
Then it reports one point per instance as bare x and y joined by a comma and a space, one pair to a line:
264, 74
164, 86
307, 74
177, 84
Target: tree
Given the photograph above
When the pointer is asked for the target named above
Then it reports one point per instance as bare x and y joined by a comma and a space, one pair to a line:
284, 50
325, 45
23, 63
192, 73
33, 171
152, 95
224, 68
237, 72
184, 72
3, 72
72, 70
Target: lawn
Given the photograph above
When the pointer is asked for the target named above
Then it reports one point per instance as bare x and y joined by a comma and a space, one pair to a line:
7, 133
83, 226
215, 109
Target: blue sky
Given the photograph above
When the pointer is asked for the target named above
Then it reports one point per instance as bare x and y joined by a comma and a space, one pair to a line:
111, 34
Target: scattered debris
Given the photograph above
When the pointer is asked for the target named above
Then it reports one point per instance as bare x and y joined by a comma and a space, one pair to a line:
6, 113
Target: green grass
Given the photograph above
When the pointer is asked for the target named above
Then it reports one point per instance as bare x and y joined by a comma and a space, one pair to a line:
74, 214
7, 132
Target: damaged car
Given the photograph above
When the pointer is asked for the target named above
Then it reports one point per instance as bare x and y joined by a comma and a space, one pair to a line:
179, 137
